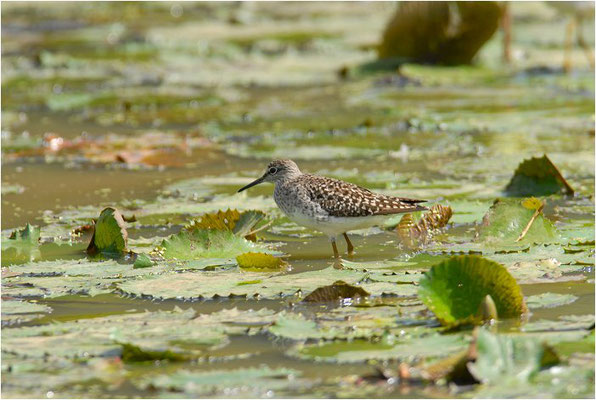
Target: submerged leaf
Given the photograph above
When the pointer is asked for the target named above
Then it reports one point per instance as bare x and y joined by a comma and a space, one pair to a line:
336, 291
454, 289
260, 261
110, 236
537, 177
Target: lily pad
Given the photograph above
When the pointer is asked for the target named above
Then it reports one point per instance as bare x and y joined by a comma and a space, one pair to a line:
260, 261
110, 235
21, 246
235, 282
391, 348
505, 221
502, 356
247, 382
144, 333
548, 300
202, 243
143, 261
537, 177
454, 289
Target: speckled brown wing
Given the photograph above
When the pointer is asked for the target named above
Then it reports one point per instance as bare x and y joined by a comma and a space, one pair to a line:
344, 199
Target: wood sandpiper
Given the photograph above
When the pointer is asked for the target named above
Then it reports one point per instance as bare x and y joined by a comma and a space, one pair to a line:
329, 205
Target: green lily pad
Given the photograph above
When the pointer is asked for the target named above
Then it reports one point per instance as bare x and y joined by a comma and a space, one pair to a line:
22, 246
548, 300
236, 282
202, 243
250, 382
15, 311
505, 221
454, 289
391, 348
145, 333
143, 261
502, 356
564, 323
537, 177
110, 235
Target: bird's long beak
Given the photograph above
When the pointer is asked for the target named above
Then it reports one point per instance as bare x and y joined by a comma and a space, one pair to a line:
256, 182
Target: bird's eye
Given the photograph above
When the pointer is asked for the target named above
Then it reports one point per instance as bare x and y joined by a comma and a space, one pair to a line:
272, 170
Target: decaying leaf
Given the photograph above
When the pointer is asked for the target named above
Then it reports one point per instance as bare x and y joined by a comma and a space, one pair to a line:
241, 223
260, 261
413, 233
454, 290
537, 176
110, 236
336, 291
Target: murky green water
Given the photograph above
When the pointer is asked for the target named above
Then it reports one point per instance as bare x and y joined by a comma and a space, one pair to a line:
164, 110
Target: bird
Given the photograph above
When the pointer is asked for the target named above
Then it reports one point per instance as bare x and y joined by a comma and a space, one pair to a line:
331, 206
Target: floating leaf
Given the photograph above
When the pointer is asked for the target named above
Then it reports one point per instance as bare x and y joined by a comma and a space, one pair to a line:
260, 261
501, 356
252, 381
296, 327
454, 289
143, 261
147, 334
14, 311
548, 300
506, 220
414, 233
336, 291
110, 234
235, 282
22, 246
537, 176
29, 233
393, 348
201, 243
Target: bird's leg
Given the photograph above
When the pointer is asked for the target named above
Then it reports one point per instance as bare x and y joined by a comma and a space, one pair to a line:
568, 45
587, 49
337, 263
350, 246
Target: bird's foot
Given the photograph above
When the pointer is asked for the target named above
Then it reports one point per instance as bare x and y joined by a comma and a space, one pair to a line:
351, 253
337, 264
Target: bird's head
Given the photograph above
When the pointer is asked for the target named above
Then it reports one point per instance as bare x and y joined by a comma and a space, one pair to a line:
277, 171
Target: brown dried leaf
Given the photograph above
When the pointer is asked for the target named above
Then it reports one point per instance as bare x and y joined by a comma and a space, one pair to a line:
336, 291
414, 233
